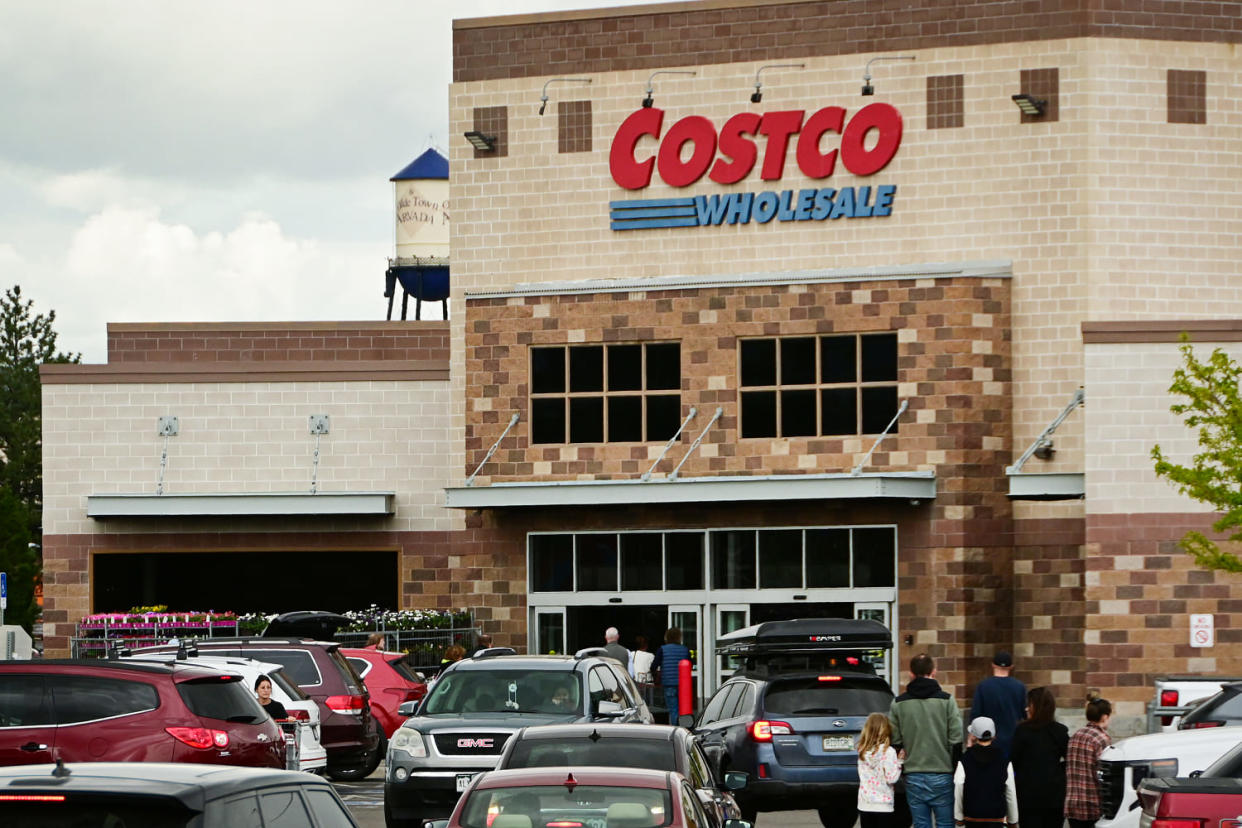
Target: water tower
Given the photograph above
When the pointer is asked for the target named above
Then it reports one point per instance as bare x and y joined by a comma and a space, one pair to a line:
421, 265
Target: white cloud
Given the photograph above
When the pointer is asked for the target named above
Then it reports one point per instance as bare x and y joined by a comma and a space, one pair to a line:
9, 257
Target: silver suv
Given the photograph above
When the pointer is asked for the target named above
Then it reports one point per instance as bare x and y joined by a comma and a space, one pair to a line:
475, 705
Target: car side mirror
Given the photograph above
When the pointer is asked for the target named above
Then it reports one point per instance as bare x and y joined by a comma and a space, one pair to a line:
609, 710
436, 823
407, 709
738, 823
686, 720
736, 780
1196, 774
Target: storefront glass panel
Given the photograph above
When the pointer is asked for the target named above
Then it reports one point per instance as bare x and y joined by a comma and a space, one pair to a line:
733, 559
874, 559
596, 562
780, 558
827, 558
683, 560
642, 560
551, 563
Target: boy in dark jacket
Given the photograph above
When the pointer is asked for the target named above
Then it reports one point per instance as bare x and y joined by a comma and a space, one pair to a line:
983, 782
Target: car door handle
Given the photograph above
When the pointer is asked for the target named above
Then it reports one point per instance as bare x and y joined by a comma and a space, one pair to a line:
33, 746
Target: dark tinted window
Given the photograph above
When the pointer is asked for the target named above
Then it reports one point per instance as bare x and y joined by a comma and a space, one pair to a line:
285, 683
838, 360
299, 664
235, 812
683, 560
663, 417
24, 701
551, 563
625, 419
586, 368
798, 413
214, 698
585, 804
547, 370
714, 710
596, 560
502, 690
625, 367
780, 558
664, 367
812, 697
879, 358
547, 420
879, 406
827, 558
759, 414
586, 419
641, 560
733, 560
403, 669
759, 362
745, 702
580, 750
283, 809
353, 684
328, 809
798, 362
87, 698
97, 811
874, 558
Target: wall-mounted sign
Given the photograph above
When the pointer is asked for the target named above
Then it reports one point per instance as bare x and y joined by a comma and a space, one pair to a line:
729, 155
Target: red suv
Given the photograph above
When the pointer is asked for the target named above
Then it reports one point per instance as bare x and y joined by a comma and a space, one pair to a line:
92, 710
389, 680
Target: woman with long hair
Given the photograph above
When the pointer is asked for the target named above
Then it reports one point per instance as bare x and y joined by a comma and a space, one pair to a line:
1037, 754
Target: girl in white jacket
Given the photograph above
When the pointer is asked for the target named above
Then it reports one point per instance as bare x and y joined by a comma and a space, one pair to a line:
879, 766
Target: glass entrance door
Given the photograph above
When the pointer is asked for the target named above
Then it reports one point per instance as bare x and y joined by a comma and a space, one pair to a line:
729, 617
879, 612
549, 630
689, 619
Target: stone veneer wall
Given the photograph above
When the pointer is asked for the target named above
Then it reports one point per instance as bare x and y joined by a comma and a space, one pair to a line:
953, 366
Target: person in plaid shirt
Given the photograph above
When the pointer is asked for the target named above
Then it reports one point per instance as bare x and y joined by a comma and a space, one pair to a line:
1082, 788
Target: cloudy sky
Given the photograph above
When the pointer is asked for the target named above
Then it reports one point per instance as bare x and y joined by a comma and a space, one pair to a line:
163, 160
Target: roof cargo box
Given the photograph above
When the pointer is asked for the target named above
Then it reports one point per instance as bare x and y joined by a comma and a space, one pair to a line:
808, 643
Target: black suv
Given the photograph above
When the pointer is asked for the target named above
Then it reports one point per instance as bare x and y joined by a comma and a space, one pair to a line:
476, 704
791, 716
348, 731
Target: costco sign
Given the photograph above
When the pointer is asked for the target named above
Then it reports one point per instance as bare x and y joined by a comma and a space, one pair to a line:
729, 155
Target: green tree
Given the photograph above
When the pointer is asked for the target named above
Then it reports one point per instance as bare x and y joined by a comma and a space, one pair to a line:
1211, 404
27, 340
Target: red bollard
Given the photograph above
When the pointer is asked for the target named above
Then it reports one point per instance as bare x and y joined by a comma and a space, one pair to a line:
685, 689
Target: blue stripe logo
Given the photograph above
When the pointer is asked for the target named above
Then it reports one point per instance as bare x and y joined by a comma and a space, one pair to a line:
759, 208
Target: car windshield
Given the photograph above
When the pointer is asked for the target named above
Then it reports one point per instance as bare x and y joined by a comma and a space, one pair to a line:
567, 806
812, 697
284, 683
504, 691
217, 697
98, 811
583, 750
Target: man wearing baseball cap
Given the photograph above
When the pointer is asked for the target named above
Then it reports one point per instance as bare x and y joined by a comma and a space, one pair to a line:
1001, 698
983, 787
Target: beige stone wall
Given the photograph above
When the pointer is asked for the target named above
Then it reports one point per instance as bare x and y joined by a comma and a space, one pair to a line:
245, 437
1107, 212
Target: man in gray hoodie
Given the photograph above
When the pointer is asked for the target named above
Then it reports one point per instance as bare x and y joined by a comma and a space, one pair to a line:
928, 725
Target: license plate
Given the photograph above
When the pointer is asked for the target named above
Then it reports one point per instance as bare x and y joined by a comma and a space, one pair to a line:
838, 743
463, 781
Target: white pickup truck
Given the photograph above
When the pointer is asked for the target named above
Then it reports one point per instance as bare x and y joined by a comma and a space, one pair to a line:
1129, 761
1177, 694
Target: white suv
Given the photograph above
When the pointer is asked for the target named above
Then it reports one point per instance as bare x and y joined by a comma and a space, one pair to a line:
1175, 753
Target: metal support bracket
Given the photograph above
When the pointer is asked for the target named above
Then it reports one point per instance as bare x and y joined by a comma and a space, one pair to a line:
320, 424
696, 442
1079, 398
512, 422
857, 470
166, 426
669, 444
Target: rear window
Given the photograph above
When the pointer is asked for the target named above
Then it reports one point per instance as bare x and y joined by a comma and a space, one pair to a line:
299, 664
87, 698
620, 752
504, 691
403, 669
588, 806
221, 697
96, 811
812, 697
24, 701
291, 690
348, 674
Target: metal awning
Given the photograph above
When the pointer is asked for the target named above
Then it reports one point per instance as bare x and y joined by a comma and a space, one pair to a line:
1050, 486
275, 504
910, 486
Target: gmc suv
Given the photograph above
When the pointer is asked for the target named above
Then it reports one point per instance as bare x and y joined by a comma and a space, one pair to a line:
475, 705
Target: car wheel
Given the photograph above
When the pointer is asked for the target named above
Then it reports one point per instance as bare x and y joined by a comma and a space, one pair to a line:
842, 814
358, 772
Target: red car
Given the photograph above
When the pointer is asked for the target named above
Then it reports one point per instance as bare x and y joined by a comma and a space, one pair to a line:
389, 680
92, 710
581, 797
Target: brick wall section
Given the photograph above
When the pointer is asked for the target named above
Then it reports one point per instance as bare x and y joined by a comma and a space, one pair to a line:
418, 342
685, 34
1048, 606
1140, 591
953, 366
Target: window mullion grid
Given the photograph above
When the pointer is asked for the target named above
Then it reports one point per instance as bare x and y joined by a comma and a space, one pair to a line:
850, 549
802, 536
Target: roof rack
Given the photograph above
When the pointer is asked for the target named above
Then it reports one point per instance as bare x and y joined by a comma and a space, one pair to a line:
588, 652
805, 635
492, 652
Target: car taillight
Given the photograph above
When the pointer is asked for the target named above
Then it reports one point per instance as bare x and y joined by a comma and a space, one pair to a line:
1160, 822
1195, 725
346, 704
829, 678
201, 738
762, 731
32, 798
300, 715
1168, 698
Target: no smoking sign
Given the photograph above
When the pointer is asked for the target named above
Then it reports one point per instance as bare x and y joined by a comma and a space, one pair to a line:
1202, 631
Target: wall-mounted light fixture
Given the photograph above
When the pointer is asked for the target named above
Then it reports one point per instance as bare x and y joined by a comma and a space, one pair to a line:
1044, 449
867, 88
543, 98
1029, 105
481, 142
757, 96
650, 99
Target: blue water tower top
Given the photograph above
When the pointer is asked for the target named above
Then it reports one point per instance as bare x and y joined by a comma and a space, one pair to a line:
431, 164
